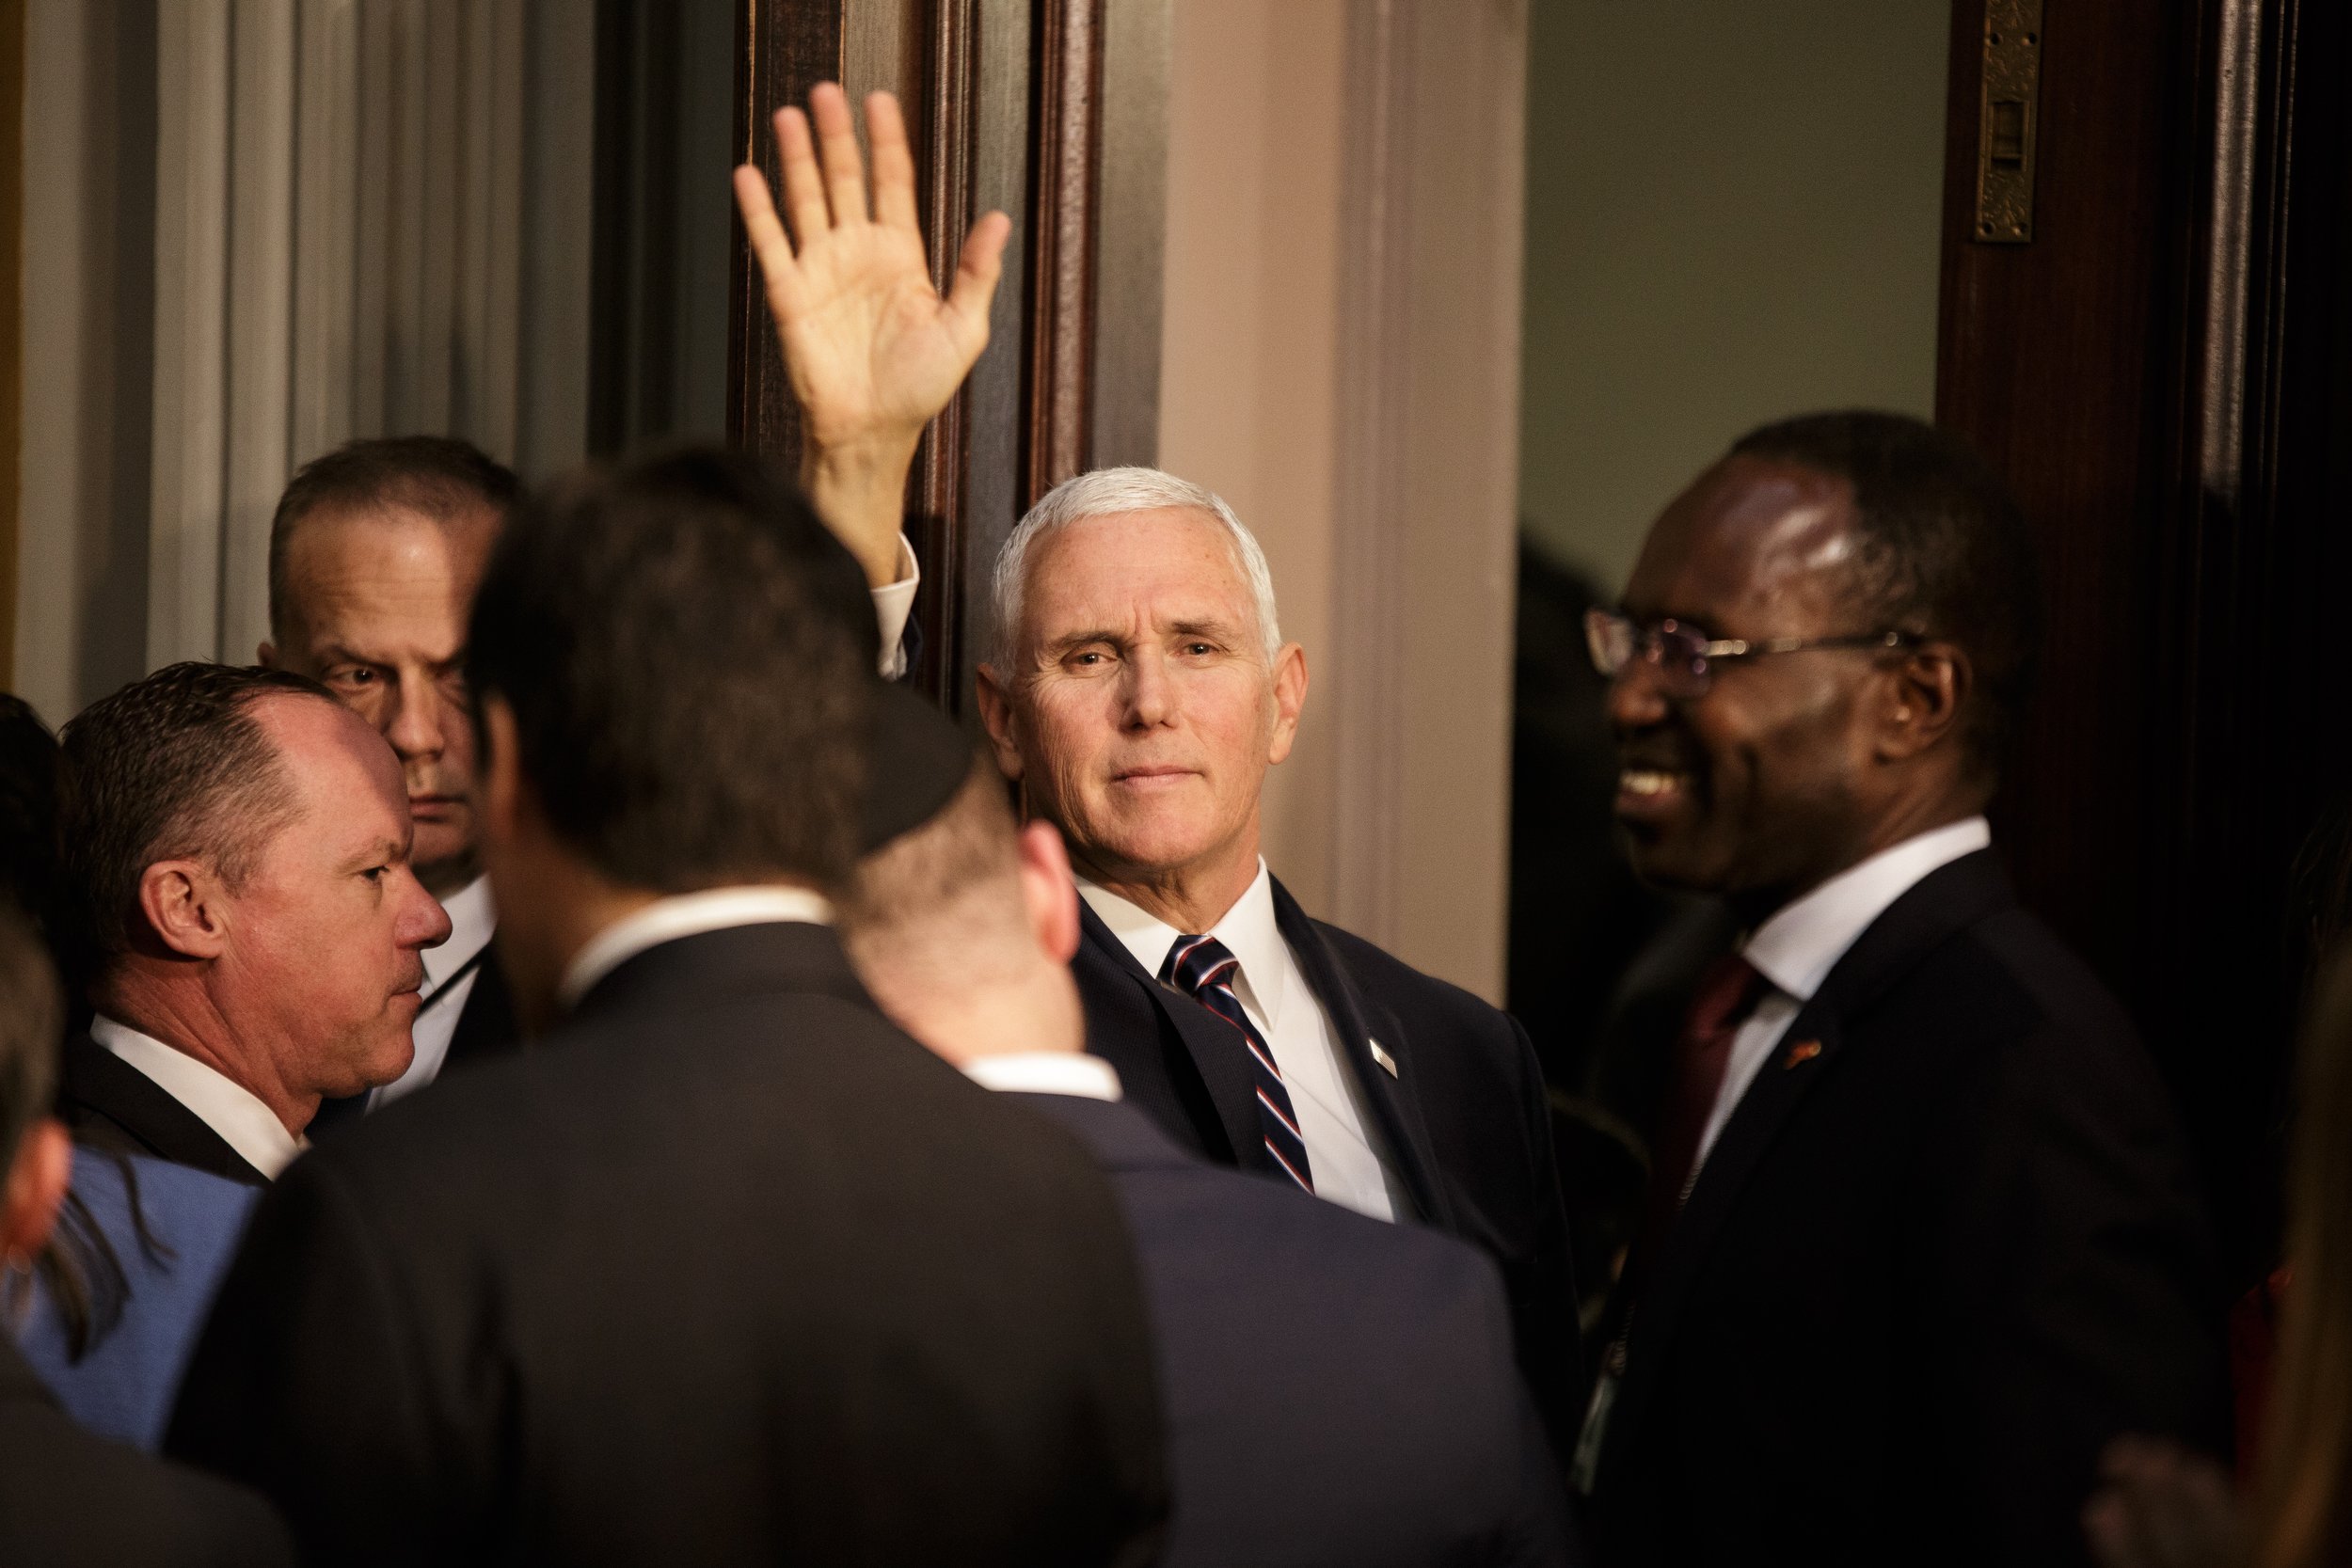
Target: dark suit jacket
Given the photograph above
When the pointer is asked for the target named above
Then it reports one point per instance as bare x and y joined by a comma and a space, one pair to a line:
68, 1498
1944, 1249
107, 1103
1464, 1116
727, 1270
1339, 1391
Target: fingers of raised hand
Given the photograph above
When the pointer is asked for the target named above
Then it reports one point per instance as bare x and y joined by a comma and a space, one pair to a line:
894, 164
766, 233
836, 137
977, 271
804, 190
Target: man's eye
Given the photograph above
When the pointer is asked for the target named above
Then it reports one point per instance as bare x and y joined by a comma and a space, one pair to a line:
376, 873
1086, 660
351, 676
1199, 647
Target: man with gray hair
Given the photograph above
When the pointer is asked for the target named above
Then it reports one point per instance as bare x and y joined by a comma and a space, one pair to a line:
1137, 689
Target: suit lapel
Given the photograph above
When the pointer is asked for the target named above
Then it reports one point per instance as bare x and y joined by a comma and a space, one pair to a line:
144, 1115
486, 1027
1357, 1020
1216, 1050
1943, 904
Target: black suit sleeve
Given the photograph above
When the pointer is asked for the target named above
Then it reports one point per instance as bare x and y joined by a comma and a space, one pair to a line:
1543, 1283
2071, 1303
308, 1384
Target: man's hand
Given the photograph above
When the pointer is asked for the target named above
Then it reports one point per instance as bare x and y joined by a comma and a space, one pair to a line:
873, 350
2161, 1506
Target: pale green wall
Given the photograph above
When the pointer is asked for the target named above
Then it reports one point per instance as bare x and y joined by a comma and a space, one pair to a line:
1732, 214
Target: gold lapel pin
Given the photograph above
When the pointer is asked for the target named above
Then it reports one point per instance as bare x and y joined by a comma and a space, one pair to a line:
1804, 1050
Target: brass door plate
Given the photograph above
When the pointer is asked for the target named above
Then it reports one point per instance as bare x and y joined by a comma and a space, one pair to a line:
2008, 122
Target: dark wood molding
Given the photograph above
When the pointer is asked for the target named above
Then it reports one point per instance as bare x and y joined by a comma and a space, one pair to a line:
12, 319
940, 486
782, 51
1067, 121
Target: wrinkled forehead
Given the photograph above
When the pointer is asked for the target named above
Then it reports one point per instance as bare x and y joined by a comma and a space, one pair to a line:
334, 557
1167, 566
1753, 547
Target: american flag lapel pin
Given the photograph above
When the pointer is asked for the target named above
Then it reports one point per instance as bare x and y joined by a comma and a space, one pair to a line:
1802, 1052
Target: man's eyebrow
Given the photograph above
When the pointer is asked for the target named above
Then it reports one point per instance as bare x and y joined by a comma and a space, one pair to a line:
383, 852
1222, 630
1062, 645
337, 653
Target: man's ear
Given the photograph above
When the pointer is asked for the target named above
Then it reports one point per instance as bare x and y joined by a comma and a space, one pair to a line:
1290, 699
266, 655
187, 905
35, 1187
997, 715
1049, 891
1922, 703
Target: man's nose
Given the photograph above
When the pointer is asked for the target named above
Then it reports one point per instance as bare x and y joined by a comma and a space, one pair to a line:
1150, 695
419, 725
1634, 701
425, 923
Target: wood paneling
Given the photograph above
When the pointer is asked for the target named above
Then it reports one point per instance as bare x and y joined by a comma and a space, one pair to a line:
2165, 375
11, 316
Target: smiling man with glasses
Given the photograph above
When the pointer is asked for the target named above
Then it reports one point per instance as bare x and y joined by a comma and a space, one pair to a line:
1921, 1237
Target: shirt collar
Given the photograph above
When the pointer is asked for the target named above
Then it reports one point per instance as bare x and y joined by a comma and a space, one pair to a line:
216, 1100
1798, 946
686, 915
1070, 1072
472, 918
1249, 932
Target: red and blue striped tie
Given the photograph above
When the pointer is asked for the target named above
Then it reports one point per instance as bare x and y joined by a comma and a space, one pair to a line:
1202, 969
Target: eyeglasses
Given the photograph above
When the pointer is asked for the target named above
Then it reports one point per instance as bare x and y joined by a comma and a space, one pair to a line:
1685, 658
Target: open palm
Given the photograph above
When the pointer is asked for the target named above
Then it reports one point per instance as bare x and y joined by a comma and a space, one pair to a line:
874, 351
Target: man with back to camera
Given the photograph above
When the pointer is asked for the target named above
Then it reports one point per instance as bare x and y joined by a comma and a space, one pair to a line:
866, 1311
1922, 1235
1380, 1089
236, 889
377, 547
1268, 1307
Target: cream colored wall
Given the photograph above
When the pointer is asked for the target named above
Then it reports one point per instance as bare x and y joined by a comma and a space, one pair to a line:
1248, 390
1340, 360
1734, 212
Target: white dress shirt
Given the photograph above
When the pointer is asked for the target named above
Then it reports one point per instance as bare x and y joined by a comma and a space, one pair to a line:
450, 973
686, 915
1796, 948
219, 1101
1349, 1169
893, 603
1069, 1072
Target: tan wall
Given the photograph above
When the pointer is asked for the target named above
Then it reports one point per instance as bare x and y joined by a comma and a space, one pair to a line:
1733, 214
1248, 389
1340, 360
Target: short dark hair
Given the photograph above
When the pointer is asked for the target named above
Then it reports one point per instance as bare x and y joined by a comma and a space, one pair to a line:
688, 655
169, 767
439, 476
1944, 550
28, 807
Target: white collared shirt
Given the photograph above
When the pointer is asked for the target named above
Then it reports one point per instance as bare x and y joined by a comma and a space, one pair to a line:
1797, 947
893, 603
1069, 1072
218, 1100
471, 919
1334, 1120
686, 915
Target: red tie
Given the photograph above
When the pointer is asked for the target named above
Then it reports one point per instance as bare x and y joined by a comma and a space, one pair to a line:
1727, 993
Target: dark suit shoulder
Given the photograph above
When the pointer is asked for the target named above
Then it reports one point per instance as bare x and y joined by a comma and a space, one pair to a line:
69, 1498
1397, 983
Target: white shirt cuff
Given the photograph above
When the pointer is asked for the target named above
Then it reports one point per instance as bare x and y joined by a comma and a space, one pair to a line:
891, 606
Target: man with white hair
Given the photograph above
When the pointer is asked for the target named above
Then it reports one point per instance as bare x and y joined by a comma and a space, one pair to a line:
1137, 691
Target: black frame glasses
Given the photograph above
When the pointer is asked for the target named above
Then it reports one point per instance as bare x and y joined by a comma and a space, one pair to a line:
1684, 658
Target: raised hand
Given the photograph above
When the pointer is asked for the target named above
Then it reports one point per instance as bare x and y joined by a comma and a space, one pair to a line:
874, 351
